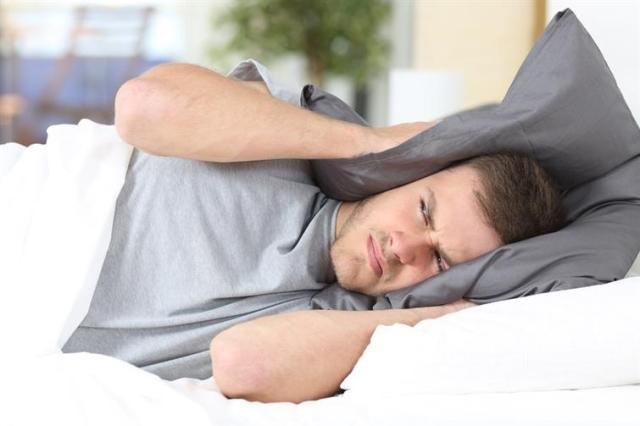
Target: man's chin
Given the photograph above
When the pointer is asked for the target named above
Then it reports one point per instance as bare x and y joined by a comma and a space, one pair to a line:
367, 289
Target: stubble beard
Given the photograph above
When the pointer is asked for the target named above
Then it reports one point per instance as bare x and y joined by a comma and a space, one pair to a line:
348, 264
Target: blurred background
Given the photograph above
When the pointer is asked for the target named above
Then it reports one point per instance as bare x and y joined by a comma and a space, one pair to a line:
393, 60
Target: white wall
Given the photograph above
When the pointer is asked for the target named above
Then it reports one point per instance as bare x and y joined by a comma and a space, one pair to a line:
615, 27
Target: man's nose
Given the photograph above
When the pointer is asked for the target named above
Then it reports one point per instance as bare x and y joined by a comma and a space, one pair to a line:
407, 247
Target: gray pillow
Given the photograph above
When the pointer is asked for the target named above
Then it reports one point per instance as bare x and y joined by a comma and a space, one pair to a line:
564, 109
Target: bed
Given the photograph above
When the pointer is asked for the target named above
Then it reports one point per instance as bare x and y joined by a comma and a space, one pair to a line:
580, 364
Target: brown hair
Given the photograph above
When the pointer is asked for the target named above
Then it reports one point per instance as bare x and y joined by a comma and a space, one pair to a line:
520, 200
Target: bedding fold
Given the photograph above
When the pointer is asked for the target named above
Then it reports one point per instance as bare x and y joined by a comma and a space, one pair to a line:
58, 203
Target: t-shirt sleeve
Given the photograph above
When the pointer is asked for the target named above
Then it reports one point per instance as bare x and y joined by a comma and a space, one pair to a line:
252, 70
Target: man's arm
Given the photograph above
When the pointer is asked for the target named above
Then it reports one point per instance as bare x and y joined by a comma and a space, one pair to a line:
192, 112
301, 355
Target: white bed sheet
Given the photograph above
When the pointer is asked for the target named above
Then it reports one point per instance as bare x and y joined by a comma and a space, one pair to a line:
604, 406
89, 389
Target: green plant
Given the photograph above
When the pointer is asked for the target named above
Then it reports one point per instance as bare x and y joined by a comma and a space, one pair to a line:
336, 37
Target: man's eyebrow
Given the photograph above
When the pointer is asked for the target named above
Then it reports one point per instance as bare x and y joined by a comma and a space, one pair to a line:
432, 203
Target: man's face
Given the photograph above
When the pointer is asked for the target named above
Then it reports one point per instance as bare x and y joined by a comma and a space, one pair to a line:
403, 236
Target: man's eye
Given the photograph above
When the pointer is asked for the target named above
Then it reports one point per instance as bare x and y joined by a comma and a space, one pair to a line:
441, 267
426, 214
424, 209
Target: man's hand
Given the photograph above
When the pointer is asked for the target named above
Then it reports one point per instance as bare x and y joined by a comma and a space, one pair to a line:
427, 312
384, 138
301, 355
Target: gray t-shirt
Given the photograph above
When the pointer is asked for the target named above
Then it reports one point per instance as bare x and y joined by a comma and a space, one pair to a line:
198, 247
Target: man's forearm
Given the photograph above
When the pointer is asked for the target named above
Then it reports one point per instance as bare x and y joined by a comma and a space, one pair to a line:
301, 355
191, 112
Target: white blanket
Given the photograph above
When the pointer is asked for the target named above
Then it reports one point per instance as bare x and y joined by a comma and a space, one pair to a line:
58, 202
56, 210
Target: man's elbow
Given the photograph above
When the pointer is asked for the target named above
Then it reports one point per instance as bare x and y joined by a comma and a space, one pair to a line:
137, 106
238, 368
145, 105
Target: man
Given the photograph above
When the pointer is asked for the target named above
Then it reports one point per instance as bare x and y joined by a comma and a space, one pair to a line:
237, 251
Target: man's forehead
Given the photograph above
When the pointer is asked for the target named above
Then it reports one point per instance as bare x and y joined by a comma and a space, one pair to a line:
458, 221
454, 172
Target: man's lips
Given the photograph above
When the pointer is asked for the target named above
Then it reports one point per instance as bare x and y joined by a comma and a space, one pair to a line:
375, 260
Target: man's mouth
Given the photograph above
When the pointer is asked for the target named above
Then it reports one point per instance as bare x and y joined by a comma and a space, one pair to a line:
374, 257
